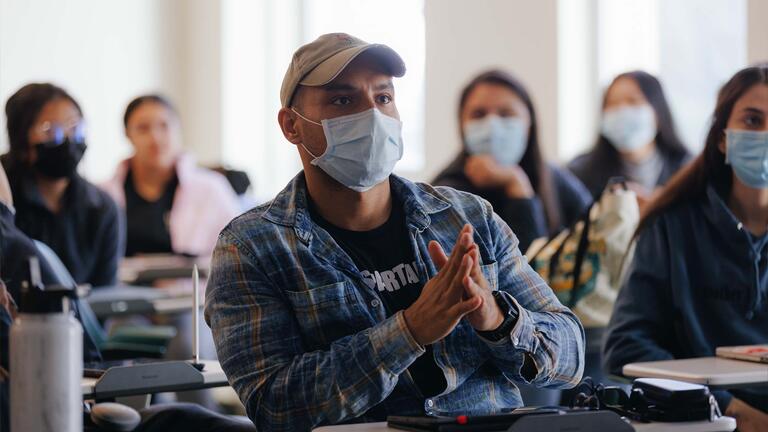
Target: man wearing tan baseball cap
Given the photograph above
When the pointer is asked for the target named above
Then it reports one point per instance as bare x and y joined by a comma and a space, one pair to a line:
335, 302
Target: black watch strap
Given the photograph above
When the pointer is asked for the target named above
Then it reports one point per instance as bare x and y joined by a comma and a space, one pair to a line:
509, 309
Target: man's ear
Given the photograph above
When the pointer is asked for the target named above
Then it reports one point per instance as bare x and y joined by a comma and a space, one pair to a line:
287, 122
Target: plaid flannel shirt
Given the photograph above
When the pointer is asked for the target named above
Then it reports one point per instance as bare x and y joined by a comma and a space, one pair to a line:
306, 342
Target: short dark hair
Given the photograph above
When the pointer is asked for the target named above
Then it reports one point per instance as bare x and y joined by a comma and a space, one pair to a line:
22, 110
149, 98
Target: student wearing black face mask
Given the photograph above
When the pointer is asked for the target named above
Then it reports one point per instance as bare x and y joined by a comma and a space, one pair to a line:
53, 203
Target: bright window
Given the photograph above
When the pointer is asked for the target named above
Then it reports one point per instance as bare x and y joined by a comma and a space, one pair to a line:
258, 41
398, 24
692, 50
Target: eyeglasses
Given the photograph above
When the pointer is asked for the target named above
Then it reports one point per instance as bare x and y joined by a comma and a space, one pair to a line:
55, 134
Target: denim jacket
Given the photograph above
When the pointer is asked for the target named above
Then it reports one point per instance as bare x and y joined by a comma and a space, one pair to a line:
306, 342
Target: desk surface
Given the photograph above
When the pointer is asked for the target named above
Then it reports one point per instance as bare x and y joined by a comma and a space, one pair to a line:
213, 376
723, 424
709, 371
147, 268
137, 300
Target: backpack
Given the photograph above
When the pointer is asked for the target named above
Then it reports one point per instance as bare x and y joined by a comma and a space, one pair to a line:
584, 264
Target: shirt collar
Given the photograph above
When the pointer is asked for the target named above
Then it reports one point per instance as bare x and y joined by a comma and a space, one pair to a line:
290, 206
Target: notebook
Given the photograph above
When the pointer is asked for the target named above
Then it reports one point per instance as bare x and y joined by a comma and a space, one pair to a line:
753, 353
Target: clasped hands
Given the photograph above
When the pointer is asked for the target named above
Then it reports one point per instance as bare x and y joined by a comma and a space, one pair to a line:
458, 290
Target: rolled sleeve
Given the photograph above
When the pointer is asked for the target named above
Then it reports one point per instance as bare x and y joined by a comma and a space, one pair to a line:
546, 330
394, 344
283, 386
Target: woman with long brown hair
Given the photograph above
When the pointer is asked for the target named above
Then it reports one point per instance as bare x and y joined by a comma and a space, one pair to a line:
637, 139
501, 160
699, 278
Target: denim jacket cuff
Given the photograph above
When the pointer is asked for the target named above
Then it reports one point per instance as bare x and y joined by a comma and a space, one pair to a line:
394, 345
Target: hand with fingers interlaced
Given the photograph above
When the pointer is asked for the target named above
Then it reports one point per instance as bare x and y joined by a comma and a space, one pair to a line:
458, 290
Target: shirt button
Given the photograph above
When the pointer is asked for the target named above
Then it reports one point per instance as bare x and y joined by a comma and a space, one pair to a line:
515, 341
375, 303
430, 403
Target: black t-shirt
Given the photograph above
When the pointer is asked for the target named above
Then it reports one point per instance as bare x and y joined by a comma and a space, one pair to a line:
386, 261
147, 221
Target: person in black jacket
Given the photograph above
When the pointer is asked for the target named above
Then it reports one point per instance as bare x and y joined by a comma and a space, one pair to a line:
502, 161
637, 139
15, 250
53, 203
699, 277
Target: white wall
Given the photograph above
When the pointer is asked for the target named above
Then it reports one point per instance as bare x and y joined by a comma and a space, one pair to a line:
466, 37
103, 53
757, 16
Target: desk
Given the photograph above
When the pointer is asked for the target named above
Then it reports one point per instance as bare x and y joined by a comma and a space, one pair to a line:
714, 372
134, 300
146, 269
723, 424
212, 376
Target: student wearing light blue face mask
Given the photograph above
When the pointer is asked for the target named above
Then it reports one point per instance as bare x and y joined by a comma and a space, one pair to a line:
502, 161
699, 278
356, 294
637, 139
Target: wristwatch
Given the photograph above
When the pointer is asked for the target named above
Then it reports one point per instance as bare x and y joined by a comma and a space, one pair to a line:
509, 309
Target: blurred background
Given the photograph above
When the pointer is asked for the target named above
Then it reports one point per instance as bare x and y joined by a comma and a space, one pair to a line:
222, 63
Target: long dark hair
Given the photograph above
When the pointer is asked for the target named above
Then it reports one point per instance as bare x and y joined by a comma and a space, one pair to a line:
21, 111
533, 161
148, 98
709, 167
667, 140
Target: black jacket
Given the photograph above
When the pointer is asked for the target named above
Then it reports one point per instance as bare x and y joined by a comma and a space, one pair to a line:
526, 217
698, 281
86, 234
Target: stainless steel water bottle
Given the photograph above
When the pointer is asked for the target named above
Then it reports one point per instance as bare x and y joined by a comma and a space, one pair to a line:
46, 362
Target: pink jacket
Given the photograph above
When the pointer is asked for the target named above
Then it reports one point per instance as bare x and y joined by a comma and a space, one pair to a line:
203, 204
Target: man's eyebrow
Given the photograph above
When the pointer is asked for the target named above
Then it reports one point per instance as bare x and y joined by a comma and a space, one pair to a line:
332, 87
385, 86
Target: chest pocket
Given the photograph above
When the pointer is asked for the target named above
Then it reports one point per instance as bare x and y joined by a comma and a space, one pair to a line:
491, 273
326, 313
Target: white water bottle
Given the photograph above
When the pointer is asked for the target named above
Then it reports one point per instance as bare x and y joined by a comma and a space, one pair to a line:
46, 363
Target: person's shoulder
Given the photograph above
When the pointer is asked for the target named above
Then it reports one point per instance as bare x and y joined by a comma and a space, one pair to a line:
453, 196
678, 217
678, 158
96, 197
570, 190
252, 227
207, 179
563, 176
581, 162
467, 206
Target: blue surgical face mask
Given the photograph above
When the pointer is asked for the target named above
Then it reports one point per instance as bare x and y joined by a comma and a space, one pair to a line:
362, 150
504, 138
747, 153
629, 128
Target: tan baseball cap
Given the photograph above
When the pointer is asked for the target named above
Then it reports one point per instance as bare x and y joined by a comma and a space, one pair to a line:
322, 60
